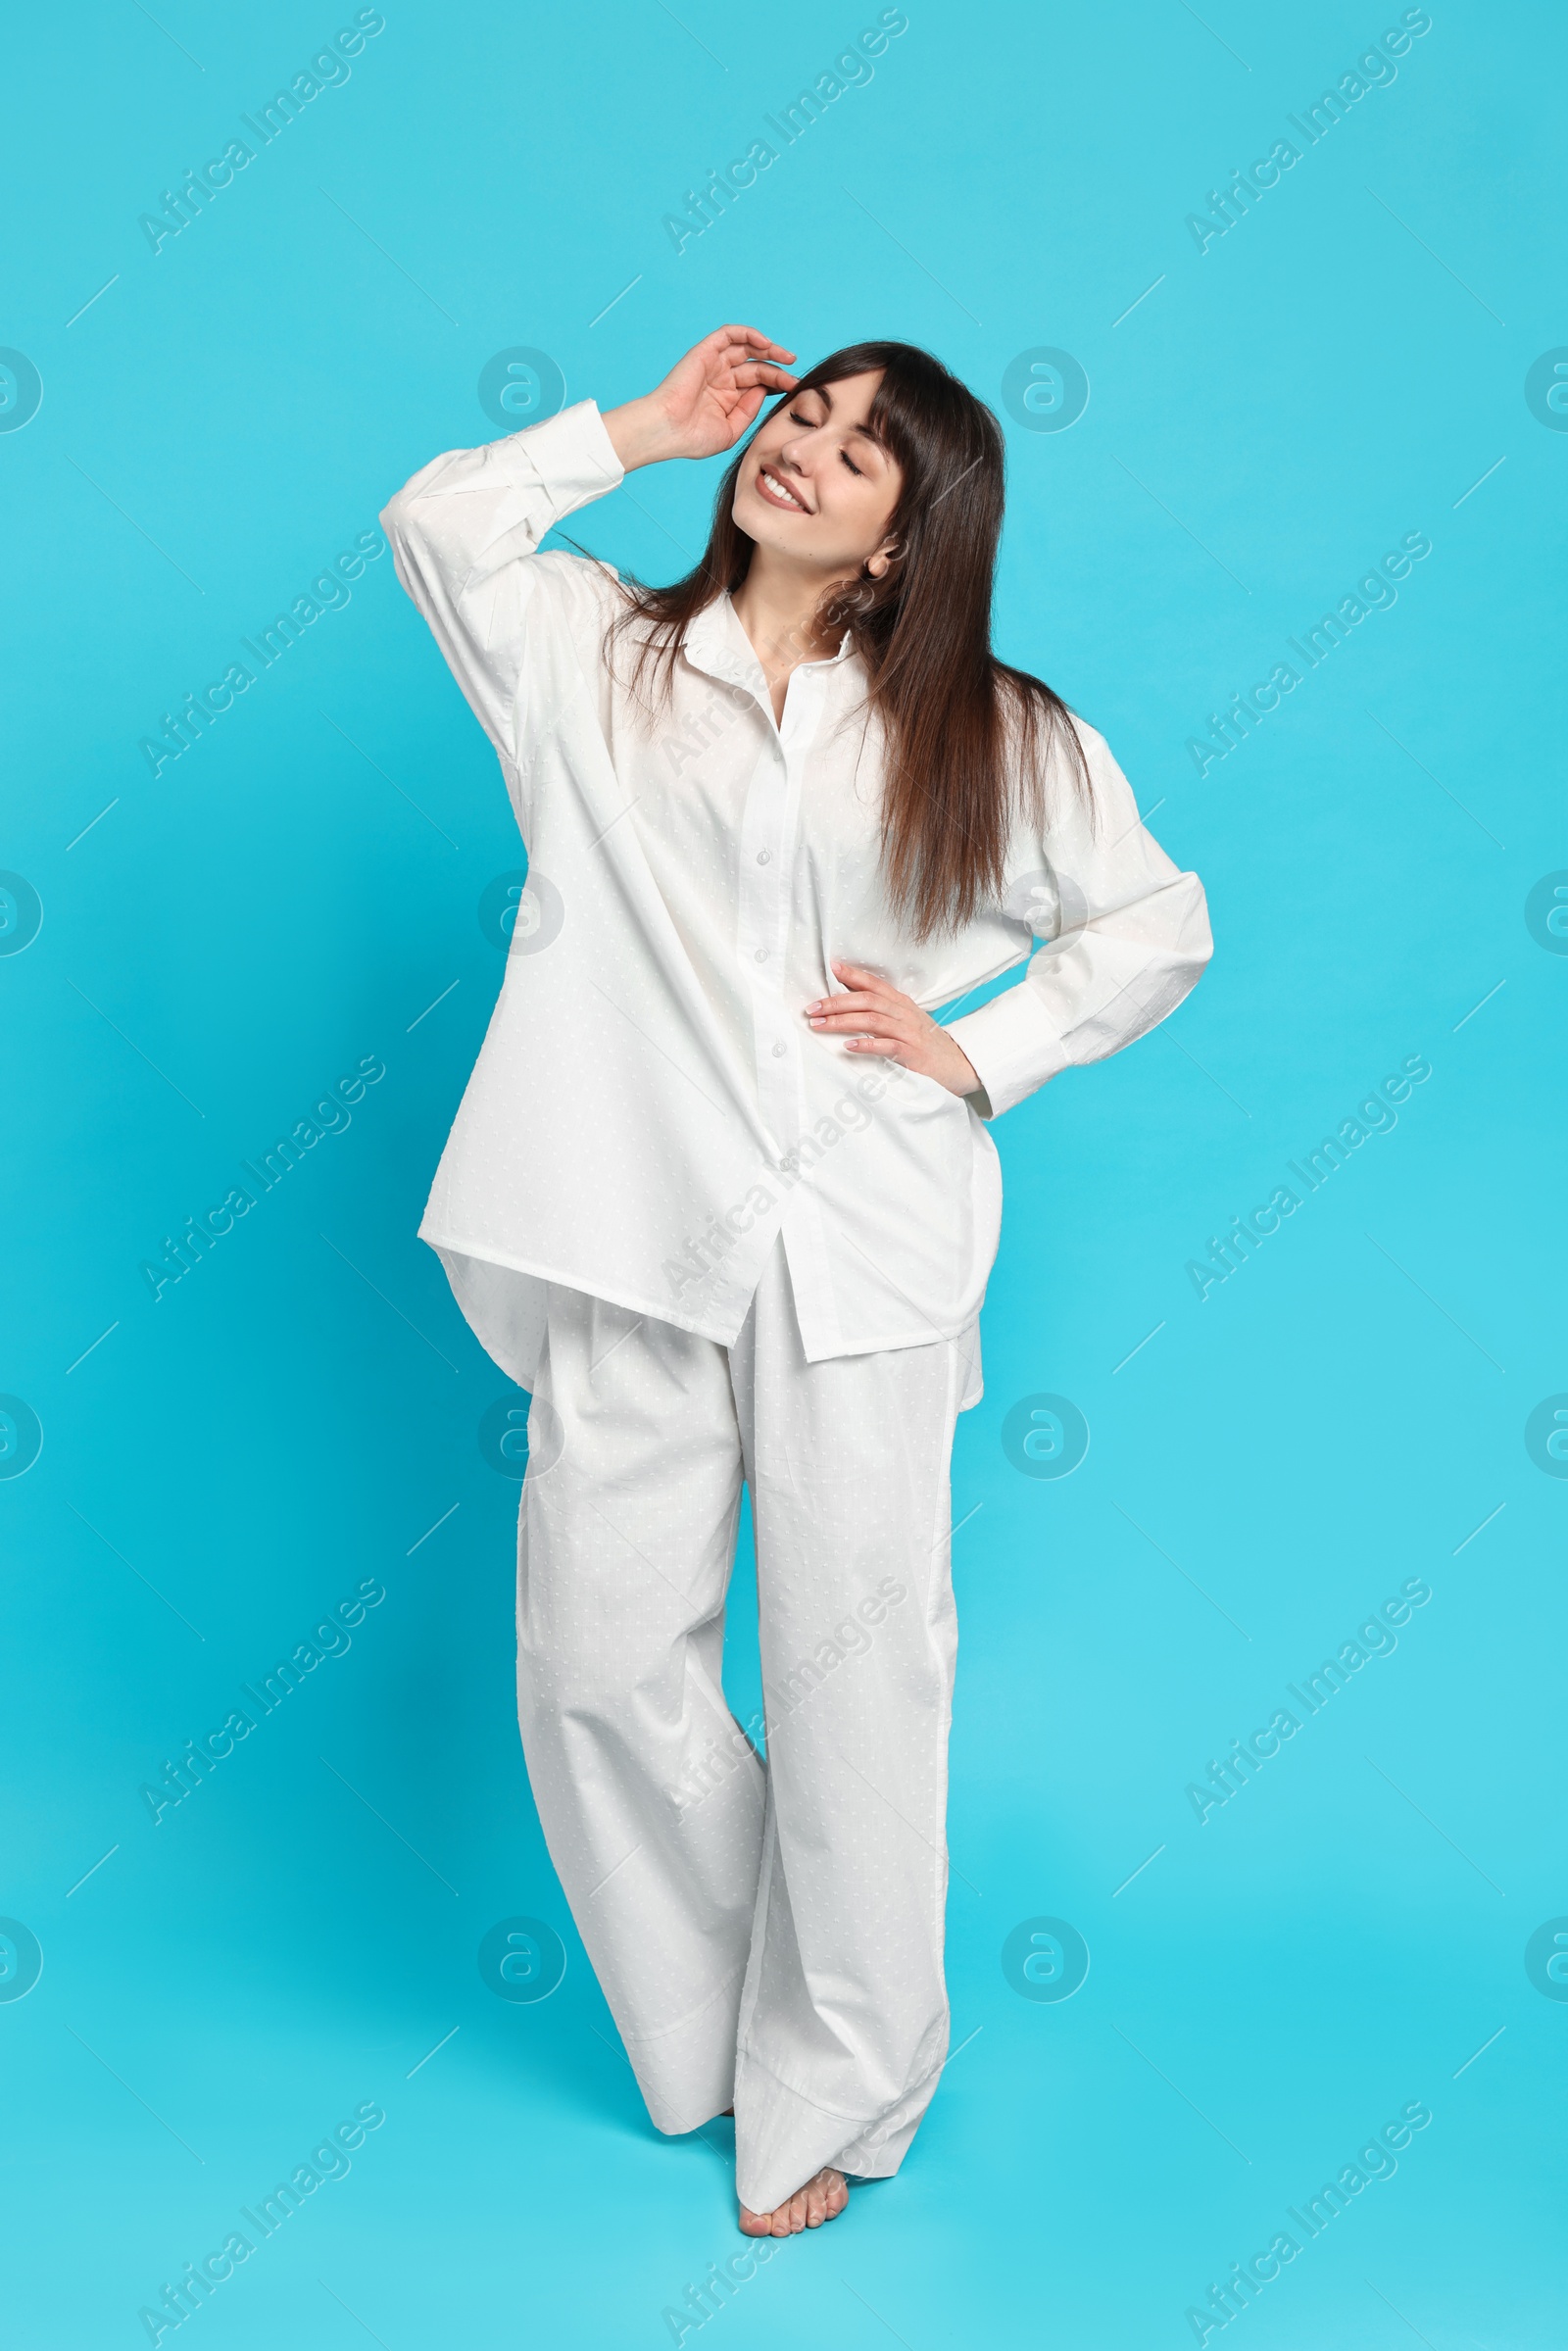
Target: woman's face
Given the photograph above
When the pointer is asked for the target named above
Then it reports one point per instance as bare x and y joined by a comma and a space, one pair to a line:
815, 487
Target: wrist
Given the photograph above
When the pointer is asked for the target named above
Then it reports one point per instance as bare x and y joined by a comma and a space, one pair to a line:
638, 433
964, 1078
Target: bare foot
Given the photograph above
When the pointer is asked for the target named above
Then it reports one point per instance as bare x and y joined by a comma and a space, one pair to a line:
821, 2199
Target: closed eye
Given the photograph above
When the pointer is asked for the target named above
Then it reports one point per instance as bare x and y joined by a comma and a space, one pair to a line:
796, 417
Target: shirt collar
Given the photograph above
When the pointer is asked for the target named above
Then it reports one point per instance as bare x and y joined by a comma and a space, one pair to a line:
717, 644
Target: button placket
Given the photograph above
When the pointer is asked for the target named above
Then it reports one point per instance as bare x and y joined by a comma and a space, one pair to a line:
765, 904
756, 917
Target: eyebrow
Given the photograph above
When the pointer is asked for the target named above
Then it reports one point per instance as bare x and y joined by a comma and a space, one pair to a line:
825, 395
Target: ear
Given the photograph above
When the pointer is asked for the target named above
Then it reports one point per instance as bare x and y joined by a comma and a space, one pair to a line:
878, 565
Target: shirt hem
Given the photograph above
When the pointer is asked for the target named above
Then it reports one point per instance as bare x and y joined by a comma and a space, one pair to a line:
488, 1254
930, 1336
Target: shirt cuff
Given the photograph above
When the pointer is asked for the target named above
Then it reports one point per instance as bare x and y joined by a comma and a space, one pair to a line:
570, 453
1011, 1045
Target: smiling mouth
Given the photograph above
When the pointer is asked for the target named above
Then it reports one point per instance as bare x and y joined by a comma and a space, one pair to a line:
777, 491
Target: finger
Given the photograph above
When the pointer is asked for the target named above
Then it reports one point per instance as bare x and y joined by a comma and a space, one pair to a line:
864, 1024
874, 1019
843, 1015
863, 977
852, 1007
728, 357
764, 372
892, 1048
872, 990
743, 414
859, 971
752, 336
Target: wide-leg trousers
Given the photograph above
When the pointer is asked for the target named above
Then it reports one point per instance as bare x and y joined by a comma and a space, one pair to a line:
768, 1936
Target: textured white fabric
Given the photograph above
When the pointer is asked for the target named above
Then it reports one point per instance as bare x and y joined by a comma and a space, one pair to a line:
768, 1937
650, 1108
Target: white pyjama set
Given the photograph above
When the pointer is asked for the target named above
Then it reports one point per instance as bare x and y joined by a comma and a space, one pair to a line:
768, 1937
714, 1244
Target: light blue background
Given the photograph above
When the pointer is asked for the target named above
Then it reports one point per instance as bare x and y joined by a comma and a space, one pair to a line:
220, 943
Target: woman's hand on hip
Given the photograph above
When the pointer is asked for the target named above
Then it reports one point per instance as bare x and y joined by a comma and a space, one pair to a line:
876, 1017
705, 402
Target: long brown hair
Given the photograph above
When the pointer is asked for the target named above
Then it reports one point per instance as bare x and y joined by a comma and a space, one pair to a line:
967, 738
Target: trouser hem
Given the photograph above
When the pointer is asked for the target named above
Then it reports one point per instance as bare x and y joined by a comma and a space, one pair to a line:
783, 2138
686, 2073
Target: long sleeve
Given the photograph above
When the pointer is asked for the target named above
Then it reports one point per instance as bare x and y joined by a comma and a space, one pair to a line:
461, 530
1123, 937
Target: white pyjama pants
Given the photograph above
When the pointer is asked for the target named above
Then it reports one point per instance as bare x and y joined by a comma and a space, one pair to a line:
768, 1937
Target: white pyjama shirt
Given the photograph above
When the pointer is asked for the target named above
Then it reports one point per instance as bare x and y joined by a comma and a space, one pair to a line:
650, 1108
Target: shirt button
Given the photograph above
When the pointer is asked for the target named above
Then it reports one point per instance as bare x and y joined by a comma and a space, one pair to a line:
762, 954
762, 855
779, 1049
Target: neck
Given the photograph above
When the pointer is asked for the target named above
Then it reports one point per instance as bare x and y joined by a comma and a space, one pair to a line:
776, 605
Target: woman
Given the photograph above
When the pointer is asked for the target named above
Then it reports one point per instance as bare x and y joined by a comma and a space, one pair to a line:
721, 1192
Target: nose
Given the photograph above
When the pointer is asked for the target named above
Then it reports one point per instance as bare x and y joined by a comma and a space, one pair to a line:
793, 452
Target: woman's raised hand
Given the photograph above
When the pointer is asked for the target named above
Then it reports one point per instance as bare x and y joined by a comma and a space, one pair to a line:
705, 402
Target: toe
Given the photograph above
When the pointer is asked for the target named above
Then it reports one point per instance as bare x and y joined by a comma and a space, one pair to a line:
822, 2198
